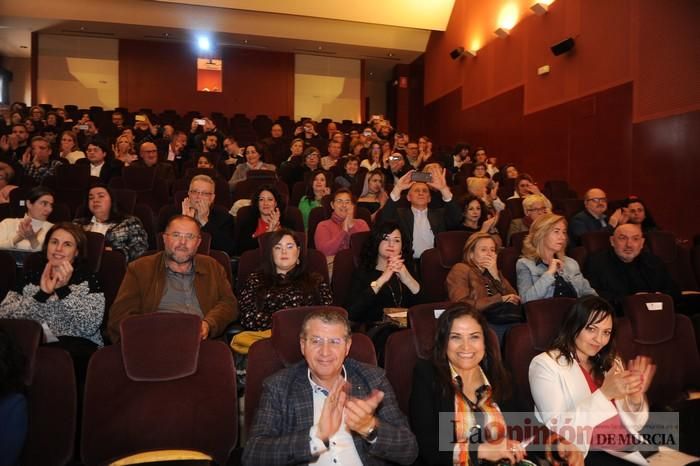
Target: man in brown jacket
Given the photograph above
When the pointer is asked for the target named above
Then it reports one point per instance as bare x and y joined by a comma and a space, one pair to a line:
176, 280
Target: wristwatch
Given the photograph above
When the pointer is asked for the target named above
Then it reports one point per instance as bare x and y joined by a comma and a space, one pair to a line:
371, 435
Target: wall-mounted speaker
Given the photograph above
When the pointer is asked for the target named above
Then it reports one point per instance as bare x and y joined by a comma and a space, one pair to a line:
563, 47
456, 53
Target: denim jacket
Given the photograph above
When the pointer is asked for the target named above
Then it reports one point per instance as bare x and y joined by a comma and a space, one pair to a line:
534, 283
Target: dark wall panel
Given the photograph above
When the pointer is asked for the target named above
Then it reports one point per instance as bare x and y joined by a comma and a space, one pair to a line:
163, 76
591, 141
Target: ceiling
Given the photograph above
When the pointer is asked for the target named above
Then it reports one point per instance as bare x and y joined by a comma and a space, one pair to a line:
372, 31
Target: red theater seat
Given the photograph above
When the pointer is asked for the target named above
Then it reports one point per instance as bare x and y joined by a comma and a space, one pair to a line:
161, 388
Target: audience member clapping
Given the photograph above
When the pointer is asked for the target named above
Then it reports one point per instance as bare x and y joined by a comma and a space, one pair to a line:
28, 233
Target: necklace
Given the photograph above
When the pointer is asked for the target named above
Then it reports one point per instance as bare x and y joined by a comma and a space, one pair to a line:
393, 294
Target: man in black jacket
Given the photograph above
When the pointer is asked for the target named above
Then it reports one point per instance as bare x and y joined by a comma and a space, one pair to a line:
420, 222
626, 269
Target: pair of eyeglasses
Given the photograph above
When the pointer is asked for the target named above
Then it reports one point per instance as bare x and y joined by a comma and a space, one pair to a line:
177, 236
320, 341
280, 247
192, 192
597, 200
390, 239
537, 209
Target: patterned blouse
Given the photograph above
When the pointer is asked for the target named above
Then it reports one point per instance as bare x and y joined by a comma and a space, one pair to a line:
128, 236
257, 304
76, 309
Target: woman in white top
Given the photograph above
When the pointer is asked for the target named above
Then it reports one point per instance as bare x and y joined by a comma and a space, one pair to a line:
28, 233
374, 158
583, 391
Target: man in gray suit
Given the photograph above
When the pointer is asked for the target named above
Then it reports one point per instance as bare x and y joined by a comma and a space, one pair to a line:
328, 408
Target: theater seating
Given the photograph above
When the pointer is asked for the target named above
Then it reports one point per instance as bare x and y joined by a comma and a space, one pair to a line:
51, 396
515, 207
506, 260
8, 275
161, 388
525, 341
594, 241
282, 350
345, 265
517, 239
675, 256
655, 329
436, 263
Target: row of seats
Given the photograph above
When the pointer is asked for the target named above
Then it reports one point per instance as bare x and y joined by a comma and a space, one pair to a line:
151, 390
244, 128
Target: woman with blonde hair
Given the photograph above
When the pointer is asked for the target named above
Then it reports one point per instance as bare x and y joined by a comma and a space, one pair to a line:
544, 271
534, 206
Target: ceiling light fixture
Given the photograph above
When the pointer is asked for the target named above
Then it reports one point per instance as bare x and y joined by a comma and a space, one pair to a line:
502, 32
539, 8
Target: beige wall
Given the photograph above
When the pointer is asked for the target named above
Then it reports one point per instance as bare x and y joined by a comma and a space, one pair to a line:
78, 70
20, 86
327, 88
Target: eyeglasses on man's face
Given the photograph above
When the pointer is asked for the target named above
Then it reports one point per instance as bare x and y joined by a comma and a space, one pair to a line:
177, 236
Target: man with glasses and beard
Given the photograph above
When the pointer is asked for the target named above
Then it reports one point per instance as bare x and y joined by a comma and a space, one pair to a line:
176, 279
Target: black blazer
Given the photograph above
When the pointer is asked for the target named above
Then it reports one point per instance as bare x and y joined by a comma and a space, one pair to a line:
112, 168
440, 219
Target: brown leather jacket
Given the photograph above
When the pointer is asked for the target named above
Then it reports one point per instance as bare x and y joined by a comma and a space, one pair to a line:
465, 284
144, 284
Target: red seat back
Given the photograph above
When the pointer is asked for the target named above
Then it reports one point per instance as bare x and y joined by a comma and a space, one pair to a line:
135, 392
51, 396
525, 341
653, 328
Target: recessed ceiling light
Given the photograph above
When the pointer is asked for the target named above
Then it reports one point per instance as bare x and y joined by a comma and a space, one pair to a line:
320, 47
245, 41
389, 54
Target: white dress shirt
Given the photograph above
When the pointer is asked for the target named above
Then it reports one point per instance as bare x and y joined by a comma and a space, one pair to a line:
341, 447
423, 237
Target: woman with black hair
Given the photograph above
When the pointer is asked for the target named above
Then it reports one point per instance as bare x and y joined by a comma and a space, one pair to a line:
13, 402
283, 281
384, 279
466, 379
350, 175
317, 186
28, 233
267, 207
122, 232
580, 384
636, 211
477, 218
64, 296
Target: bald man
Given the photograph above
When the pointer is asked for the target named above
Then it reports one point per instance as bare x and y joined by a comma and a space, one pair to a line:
148, 157
591, 218
627, 268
